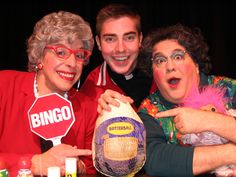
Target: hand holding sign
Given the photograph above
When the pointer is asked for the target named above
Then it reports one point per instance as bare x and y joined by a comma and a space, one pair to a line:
51, 117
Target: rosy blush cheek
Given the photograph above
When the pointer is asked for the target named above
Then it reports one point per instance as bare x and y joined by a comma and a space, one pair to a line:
189, 74
187, 68
158, 75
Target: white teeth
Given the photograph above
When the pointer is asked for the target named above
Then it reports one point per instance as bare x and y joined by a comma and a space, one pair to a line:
120, 58
66, 75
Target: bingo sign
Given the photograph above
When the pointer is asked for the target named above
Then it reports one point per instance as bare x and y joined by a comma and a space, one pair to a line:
51, 117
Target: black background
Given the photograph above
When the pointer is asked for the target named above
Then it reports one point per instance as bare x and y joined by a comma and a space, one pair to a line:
216, 19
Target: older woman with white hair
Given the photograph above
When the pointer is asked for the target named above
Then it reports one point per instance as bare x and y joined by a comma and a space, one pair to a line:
58, 49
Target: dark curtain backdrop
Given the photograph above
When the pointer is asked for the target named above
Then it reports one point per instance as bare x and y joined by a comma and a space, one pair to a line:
216, 19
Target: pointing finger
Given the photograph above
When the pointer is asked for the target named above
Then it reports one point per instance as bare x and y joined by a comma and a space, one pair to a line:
168, 113
80, 152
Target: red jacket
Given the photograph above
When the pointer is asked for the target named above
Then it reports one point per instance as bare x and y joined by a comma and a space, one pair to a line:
99, 80
16, 138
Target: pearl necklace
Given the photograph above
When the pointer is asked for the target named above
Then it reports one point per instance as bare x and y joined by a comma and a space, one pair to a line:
36, 89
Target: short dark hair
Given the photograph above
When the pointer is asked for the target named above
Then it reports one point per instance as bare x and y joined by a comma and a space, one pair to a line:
116, 11
190, 38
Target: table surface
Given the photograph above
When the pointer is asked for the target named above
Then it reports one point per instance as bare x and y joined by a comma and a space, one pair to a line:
139, 174
142, 174
100, 175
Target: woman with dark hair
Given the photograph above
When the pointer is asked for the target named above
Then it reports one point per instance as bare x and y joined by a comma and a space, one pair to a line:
177, 58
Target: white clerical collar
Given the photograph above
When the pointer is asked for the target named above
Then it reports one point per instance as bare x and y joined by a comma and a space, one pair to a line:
128, 77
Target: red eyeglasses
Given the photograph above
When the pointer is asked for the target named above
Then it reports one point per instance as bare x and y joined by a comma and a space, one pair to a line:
64, 53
